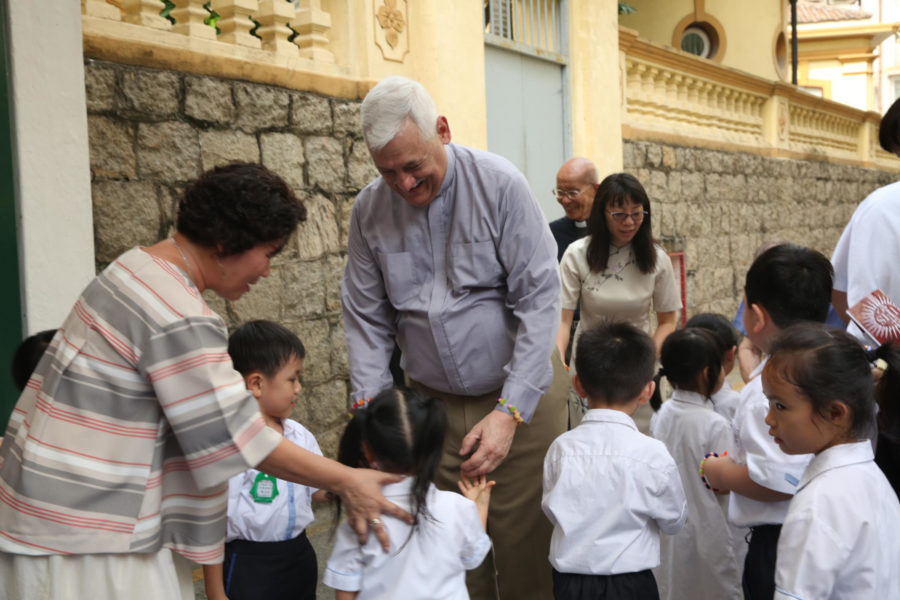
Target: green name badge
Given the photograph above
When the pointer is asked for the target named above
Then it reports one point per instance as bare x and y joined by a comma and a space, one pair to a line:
265, 488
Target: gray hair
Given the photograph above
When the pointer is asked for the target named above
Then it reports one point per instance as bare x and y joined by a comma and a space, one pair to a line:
390, 104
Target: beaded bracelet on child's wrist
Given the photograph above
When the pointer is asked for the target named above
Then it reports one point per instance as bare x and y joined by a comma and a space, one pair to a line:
703, 464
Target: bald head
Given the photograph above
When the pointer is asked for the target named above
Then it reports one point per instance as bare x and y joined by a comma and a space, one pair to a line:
578, 169
576, 182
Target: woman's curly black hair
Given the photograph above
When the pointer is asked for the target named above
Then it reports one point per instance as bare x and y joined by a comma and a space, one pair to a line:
239, 206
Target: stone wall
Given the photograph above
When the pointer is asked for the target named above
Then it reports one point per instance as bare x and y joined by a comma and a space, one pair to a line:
719, 207
152, 131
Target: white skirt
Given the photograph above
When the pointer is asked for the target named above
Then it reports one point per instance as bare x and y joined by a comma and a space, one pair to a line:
161, 576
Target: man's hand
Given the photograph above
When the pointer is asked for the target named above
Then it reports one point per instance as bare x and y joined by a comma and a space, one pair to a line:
494, 435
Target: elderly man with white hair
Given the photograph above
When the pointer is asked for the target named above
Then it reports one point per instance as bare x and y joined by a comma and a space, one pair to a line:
450, 255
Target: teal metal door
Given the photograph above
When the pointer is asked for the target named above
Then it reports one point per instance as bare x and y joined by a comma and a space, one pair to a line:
10, 296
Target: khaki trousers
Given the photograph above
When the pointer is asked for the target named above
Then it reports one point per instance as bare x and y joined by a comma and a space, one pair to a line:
517, 568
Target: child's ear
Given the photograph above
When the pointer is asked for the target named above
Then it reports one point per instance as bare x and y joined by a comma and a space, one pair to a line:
369, 455
644, 397
254, 382
728, 357
579, 389
839, 414
761, 317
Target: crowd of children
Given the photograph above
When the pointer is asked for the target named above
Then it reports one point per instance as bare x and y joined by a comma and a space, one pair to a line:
788, 463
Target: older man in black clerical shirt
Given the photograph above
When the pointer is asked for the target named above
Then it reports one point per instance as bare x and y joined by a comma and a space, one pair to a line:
576, 183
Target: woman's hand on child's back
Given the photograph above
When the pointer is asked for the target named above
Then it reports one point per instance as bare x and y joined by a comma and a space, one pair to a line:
365, 504
478, 490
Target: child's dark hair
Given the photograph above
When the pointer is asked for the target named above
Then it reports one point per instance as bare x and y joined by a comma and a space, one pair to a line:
612, 193
614, 361
263, 346
684, 356
28, 355
826, 365
719, 325
405, 431
887, 390
792, 283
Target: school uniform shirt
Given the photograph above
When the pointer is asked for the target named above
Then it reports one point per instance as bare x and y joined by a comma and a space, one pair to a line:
725, 401
425, 563
264, 509
840, 536
767, 464
863, 261
699, 562
608, 491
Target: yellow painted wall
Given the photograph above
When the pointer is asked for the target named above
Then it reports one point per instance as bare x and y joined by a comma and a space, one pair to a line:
750, 28
595, 80
446, 55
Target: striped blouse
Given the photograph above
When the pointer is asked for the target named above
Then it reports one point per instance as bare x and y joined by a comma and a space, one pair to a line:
127, 432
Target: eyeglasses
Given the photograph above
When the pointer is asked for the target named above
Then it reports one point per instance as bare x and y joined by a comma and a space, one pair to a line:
561, 194
620, 217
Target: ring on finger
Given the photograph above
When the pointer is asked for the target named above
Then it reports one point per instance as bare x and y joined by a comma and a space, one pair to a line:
374, 522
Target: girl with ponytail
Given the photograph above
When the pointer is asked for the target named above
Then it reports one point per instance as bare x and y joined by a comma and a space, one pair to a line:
401, 431
702, 561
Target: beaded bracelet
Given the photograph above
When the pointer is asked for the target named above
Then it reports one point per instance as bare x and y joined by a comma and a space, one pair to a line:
361, 403
516, 415
703, 464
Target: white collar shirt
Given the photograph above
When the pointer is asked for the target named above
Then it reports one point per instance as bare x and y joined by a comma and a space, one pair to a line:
430, 564
282, 518
725, 401
608, 492
766, 463
863, 261
699, 562
840, 538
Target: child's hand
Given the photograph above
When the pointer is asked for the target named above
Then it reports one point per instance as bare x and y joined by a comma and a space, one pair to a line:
478, 490
711, 470
322, 496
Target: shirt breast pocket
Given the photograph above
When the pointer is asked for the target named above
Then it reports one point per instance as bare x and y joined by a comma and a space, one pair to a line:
401, 280
475, 265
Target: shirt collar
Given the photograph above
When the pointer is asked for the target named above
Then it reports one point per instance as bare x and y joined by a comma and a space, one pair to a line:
755, 373
401, 488
838, 456
624, 249
450, 175
687, 397
608, 415
579, 224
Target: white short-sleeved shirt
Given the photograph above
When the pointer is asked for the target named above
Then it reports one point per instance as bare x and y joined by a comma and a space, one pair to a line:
840, 536
725, 401
608, 491
621, 291
428, 565
767, 464
700, 561
288, 513
863, 261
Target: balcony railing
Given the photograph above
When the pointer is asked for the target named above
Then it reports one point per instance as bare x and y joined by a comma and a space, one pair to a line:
267, 41
671, 95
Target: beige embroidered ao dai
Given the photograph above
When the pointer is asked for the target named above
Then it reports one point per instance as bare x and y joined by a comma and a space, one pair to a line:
620, 291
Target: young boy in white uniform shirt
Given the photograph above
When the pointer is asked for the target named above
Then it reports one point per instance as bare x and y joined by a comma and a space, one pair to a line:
267, 553
786, 284
610, 490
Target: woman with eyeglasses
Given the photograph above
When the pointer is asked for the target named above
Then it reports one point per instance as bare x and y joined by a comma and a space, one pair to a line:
618, 271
